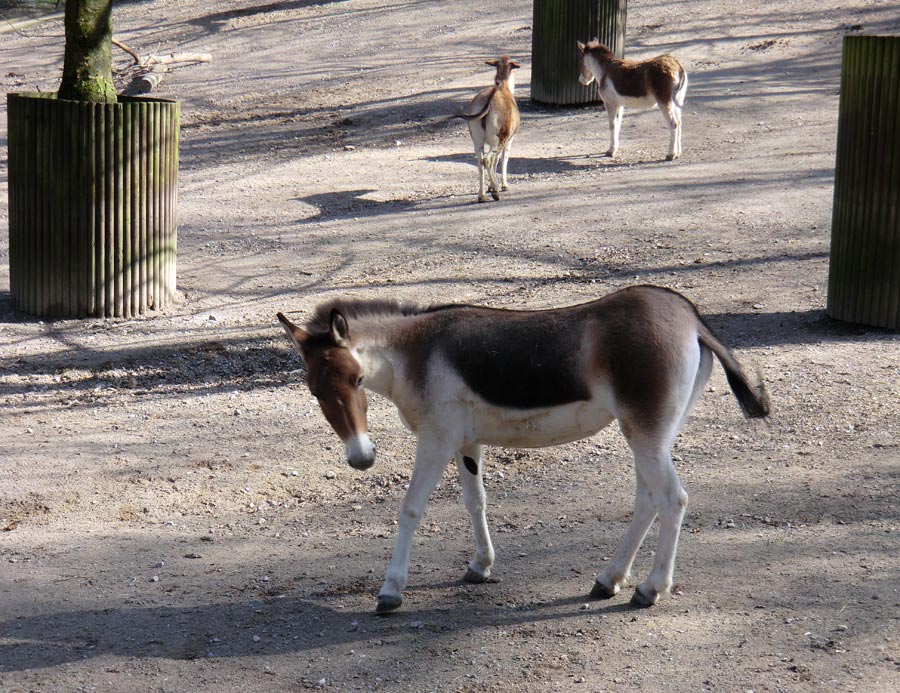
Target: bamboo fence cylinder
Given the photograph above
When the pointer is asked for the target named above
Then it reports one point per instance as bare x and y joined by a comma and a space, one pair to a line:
92, 199
864, 263
556, 27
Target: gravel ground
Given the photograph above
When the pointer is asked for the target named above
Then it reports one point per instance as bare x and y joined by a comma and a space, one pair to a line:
177, 514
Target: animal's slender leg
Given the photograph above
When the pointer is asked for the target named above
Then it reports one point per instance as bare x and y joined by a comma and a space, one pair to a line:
618, 569
653, 462
491, 159
615, 123
504, 184
475, 499
672, 114
479, 161
432, 458
678, 112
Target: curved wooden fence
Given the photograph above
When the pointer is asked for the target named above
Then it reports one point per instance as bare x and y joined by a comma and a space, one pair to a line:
557, 25
864, 266
92, 205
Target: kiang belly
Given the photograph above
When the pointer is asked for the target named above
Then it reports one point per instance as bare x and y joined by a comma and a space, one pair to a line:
538, 427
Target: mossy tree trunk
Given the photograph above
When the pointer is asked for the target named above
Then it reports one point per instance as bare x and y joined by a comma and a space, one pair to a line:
87, 69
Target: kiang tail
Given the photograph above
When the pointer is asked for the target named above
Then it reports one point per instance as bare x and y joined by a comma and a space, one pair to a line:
753, 399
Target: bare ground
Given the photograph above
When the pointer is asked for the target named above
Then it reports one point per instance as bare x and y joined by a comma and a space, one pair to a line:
176, 514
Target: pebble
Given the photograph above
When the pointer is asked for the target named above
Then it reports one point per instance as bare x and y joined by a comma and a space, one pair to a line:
330, 474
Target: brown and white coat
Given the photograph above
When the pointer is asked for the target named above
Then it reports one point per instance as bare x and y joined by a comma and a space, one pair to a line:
463, 377
658, 82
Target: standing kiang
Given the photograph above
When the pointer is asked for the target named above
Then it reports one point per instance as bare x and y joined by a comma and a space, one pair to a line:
464, 376
660, 82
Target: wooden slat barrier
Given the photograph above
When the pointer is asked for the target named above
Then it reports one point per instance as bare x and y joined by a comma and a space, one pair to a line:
864, 266
92, 205
557, 25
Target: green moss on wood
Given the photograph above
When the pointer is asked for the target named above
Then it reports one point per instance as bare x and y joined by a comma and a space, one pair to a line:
87, 69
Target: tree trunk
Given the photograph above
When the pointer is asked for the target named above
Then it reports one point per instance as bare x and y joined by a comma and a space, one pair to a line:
87, 70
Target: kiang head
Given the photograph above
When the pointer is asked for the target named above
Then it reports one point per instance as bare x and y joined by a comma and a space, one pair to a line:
585, 73
336, 380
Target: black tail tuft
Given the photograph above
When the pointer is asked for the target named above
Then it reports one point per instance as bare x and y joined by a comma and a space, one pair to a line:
753, 400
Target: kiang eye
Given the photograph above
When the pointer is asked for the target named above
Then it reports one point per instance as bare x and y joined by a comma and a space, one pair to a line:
359, 382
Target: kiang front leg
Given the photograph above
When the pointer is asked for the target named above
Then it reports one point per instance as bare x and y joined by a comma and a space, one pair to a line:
615, 114
431, 460
468, 462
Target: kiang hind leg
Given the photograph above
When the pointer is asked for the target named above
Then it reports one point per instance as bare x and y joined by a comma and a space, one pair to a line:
658, 493
672, 115
618, 570
468, 462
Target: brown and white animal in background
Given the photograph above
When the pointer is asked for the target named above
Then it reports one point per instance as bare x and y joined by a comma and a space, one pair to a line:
493, 123
659, 82
466, 376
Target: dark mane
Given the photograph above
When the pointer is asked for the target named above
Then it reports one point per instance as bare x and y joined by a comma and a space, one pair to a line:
350, 309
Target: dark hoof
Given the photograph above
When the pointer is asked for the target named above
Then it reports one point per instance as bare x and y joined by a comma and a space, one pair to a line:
601, 591
640, 600
670, 157
495, 195
388, 603
474, 578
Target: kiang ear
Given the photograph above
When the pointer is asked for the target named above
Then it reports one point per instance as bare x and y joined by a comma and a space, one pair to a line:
581, 46
492, 63
514, 65
297, 335
340, 331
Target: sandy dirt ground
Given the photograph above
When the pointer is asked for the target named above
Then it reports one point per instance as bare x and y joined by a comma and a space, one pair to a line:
176, 514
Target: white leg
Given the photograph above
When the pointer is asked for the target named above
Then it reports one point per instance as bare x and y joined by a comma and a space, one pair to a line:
618, 569
504, 184
654, 464
475, 500
615, 124
431, 460
479, 161
678, 113
672, 115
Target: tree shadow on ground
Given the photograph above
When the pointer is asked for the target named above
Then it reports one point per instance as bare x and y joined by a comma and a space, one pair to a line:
349, 204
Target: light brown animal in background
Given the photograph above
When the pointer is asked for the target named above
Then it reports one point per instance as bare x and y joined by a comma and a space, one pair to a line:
658, 82
493, 118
